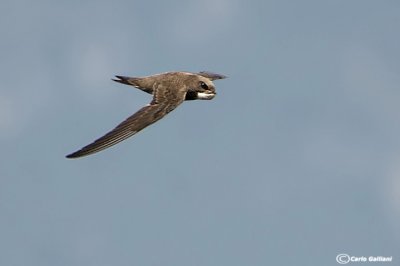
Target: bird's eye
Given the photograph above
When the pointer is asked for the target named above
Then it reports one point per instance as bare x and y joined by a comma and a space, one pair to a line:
203, 85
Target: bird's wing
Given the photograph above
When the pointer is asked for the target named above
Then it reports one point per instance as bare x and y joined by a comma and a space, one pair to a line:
210, 75
164, 101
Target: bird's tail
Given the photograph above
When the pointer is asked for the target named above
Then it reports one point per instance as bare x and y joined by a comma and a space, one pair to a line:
139, 83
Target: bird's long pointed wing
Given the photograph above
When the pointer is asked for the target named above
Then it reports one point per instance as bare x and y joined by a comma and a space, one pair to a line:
211, 76
161, 105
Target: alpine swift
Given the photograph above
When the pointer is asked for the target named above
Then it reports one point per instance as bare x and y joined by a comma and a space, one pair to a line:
169, 90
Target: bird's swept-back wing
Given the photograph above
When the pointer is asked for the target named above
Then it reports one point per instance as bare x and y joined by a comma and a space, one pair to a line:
165, 100
211, 76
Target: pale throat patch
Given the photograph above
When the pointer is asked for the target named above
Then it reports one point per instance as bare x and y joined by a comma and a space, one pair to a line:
205, 96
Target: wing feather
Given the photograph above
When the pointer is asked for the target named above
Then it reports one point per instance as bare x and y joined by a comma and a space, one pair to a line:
164, 101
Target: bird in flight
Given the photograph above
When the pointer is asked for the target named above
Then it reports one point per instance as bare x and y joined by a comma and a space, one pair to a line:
169, 90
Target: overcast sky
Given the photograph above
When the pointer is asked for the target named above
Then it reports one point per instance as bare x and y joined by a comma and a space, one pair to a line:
296, 160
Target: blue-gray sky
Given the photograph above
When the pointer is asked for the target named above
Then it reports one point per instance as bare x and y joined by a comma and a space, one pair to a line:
296, 160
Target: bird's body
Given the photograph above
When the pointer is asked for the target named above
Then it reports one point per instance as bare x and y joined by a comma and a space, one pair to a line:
169, 90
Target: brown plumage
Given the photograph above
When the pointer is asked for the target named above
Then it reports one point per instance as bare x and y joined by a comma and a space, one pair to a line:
169, 90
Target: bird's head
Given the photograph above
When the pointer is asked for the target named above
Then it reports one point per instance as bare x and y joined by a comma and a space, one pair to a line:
202, 86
